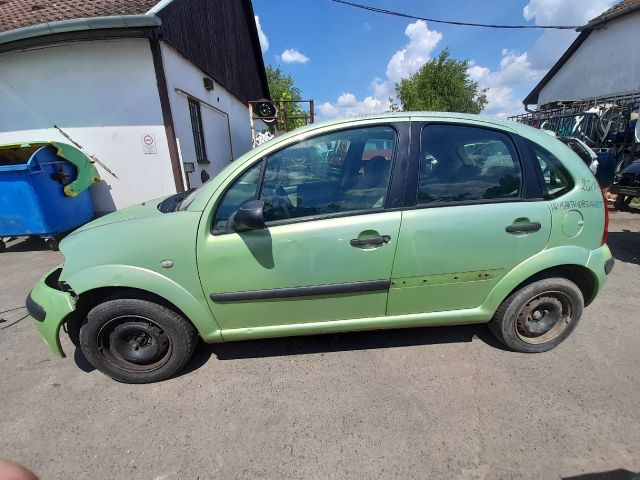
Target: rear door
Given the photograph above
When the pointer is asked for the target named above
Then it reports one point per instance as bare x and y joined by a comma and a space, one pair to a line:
472, 213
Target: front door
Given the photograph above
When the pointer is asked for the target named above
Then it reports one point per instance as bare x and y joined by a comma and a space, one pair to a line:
328, 248
472, 216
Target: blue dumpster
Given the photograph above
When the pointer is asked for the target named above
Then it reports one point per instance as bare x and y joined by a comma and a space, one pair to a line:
33, 201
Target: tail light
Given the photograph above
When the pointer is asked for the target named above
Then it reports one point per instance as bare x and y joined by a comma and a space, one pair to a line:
606, 219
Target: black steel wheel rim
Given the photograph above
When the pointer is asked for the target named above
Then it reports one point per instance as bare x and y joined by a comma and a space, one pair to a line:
134, 343
544, 317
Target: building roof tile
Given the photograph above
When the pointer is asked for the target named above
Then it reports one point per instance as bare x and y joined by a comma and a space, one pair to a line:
16, 14
619, 9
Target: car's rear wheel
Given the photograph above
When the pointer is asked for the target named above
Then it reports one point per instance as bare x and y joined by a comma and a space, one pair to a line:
134, 340
539, 316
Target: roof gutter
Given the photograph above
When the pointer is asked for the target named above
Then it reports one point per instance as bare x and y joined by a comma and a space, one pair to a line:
81, 24
159, 6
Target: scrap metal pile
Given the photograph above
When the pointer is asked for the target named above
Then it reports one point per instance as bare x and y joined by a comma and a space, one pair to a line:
604, 123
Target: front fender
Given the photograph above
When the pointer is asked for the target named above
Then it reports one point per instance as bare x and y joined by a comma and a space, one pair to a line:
127, 276
553, 257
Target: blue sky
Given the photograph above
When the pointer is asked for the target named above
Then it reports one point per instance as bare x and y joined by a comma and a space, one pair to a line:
348, 59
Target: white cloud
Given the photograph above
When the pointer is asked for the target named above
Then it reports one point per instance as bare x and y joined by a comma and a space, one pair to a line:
403, 63
507, 85
291, 55
502, 102
367, 26
264, 41
327, 110
346, 100
348, 106
518, 73
564, 12
422, 43
552, 43
515, 70
382, 88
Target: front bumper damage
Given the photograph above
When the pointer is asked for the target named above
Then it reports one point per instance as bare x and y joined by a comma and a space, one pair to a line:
50, 306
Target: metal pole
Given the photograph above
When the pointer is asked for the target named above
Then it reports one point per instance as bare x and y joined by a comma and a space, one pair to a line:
253, 127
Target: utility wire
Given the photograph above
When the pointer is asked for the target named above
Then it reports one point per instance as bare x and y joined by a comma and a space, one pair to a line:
451, 22
2, 320
16, 321
13, 309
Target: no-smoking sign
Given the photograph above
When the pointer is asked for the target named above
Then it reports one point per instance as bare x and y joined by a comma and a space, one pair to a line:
149, 143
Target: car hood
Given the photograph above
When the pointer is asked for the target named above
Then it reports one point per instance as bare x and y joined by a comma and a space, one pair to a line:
142, 210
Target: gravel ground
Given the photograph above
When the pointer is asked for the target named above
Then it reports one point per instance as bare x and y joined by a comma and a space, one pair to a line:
418, 403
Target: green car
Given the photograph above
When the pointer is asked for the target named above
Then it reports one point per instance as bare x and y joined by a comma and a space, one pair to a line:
400, 220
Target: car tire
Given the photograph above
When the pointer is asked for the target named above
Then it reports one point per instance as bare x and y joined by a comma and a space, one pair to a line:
538, 316
134, 340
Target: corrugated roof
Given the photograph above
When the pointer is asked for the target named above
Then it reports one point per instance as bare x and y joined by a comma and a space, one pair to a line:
618, 10
25, 13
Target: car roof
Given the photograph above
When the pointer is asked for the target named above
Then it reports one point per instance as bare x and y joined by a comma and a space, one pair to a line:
390, 116
535, 134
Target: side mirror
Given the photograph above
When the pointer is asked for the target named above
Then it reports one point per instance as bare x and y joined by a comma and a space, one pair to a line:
249, 217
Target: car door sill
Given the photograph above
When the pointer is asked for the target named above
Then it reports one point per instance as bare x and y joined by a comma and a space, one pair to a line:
431, 319
309, 291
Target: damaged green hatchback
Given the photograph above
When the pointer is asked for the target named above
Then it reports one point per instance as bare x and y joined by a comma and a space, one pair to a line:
400, 220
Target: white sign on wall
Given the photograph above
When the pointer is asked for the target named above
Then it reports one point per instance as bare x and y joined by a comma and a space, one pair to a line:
149, 143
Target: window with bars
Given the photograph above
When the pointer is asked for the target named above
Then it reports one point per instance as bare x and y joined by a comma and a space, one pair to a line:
198, 133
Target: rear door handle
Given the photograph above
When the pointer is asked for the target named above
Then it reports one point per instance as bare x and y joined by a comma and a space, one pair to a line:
361, 242
524, 228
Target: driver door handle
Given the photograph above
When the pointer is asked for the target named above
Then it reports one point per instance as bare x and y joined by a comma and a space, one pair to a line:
362, 242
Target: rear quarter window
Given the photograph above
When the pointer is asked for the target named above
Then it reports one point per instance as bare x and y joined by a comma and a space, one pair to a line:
556, 180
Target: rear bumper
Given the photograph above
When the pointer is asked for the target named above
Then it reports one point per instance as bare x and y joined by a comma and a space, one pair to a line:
600, 263
49, 308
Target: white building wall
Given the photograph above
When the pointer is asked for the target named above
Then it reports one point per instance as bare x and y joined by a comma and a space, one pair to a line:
608, 62
104, 95
225, 120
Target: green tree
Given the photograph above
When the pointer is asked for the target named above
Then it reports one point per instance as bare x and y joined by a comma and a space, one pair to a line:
282, 87
442, 85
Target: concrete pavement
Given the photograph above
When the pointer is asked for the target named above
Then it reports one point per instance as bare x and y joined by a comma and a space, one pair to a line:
419, 403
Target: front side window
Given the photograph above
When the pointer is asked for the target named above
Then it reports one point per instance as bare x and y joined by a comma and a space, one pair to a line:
557, 180
243, 190
460, 163
330, 174
335, 173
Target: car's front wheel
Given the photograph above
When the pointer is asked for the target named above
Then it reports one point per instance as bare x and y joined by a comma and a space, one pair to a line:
539, 316
134, 340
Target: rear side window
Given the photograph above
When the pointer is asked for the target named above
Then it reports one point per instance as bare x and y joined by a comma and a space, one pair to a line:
461, 163
556, 178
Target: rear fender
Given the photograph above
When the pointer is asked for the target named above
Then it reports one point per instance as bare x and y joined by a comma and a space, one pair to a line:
554, 257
